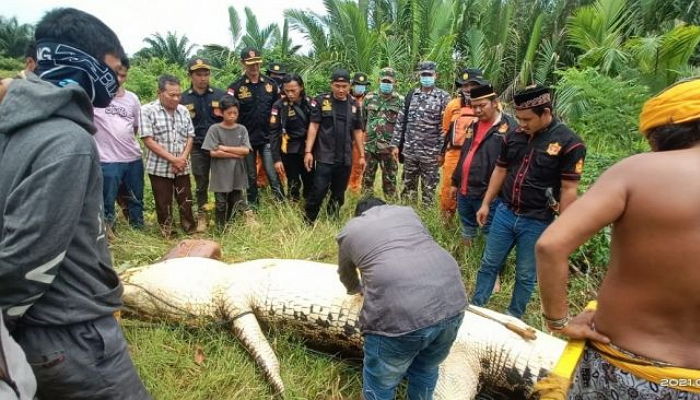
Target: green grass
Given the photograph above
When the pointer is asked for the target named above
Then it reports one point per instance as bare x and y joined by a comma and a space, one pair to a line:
165, 354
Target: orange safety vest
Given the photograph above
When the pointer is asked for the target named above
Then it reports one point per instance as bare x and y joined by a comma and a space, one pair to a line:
460, 126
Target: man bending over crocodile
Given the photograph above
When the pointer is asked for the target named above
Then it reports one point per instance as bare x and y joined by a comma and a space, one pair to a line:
413, 298
644, 337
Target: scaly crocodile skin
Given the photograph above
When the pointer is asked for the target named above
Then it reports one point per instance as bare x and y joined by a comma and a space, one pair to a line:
307, 298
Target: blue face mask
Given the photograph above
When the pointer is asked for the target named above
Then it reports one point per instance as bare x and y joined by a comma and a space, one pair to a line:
359, 89
386, 87
427, 81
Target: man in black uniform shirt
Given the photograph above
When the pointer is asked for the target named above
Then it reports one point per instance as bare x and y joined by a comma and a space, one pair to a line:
336, 121
256, 94
202, 101
277, 73
542, 156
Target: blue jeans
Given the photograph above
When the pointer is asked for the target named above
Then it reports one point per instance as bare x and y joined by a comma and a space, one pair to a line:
416, 355
130, 174
467, 206
265, 152
509, 230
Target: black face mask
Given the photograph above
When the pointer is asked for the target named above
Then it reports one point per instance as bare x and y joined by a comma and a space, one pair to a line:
63, 64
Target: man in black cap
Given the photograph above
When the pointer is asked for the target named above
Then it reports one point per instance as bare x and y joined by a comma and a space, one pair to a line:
457, 118
359, 90
202, 101
336, 121
276, 72
537, 174
256, 94
481, 147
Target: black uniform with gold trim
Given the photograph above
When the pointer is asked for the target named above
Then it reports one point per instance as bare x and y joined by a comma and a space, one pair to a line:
335, 133
256, 100
289, 125
201, 108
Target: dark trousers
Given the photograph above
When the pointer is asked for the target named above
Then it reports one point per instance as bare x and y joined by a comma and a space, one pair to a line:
87, 360
263, 151
297, 176
327, 176
163, 191
129, 177
227, 204
201, 163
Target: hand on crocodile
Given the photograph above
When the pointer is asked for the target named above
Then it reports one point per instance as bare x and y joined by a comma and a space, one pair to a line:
581, 327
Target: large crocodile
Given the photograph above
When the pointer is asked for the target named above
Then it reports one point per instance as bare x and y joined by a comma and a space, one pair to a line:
307, 297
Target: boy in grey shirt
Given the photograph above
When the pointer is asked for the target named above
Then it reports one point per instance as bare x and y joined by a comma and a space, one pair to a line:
228, 144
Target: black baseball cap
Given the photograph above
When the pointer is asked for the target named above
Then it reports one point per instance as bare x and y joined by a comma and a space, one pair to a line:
467, 75
340, 75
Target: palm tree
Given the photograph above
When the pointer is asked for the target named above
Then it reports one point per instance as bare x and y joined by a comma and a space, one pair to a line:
14, 37
257, 37
661, 58
172, 48
599, 32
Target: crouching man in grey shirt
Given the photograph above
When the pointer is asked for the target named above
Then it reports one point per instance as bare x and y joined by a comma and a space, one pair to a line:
413, 297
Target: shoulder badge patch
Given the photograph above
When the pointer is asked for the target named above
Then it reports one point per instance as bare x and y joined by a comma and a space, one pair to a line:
503, 128
579, 167
268, 88
553, 149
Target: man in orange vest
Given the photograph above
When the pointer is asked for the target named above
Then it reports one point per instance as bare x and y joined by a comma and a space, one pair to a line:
360, 82
457, 118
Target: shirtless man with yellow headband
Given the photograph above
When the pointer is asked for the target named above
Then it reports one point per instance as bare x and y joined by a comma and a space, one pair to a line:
644, 337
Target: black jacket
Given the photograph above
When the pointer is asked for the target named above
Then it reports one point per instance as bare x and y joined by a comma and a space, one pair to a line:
256, 102
292, 119
201, 108
484, 160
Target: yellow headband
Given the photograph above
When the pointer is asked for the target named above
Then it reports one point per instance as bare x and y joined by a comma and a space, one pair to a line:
675, 105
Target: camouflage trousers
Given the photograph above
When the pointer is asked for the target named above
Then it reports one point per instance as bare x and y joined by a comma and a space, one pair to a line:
423, 170
389, 167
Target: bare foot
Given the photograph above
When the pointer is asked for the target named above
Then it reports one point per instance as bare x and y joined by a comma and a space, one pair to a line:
497, 285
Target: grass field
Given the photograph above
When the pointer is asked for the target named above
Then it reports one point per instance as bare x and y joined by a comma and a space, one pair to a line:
182, 363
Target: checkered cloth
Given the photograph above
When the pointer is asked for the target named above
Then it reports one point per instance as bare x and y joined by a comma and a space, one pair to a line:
171, 132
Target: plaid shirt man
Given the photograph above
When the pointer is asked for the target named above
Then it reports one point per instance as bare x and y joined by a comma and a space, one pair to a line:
171, 132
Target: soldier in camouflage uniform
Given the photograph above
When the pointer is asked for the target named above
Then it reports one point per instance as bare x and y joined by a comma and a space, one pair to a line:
381, 110
422, 134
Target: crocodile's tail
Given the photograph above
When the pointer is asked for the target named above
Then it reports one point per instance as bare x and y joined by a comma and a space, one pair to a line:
247, 330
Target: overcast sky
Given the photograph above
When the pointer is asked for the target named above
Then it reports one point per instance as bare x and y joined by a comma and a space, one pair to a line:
203, 21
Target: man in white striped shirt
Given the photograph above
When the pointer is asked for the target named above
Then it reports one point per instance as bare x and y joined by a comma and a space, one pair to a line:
167, 132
